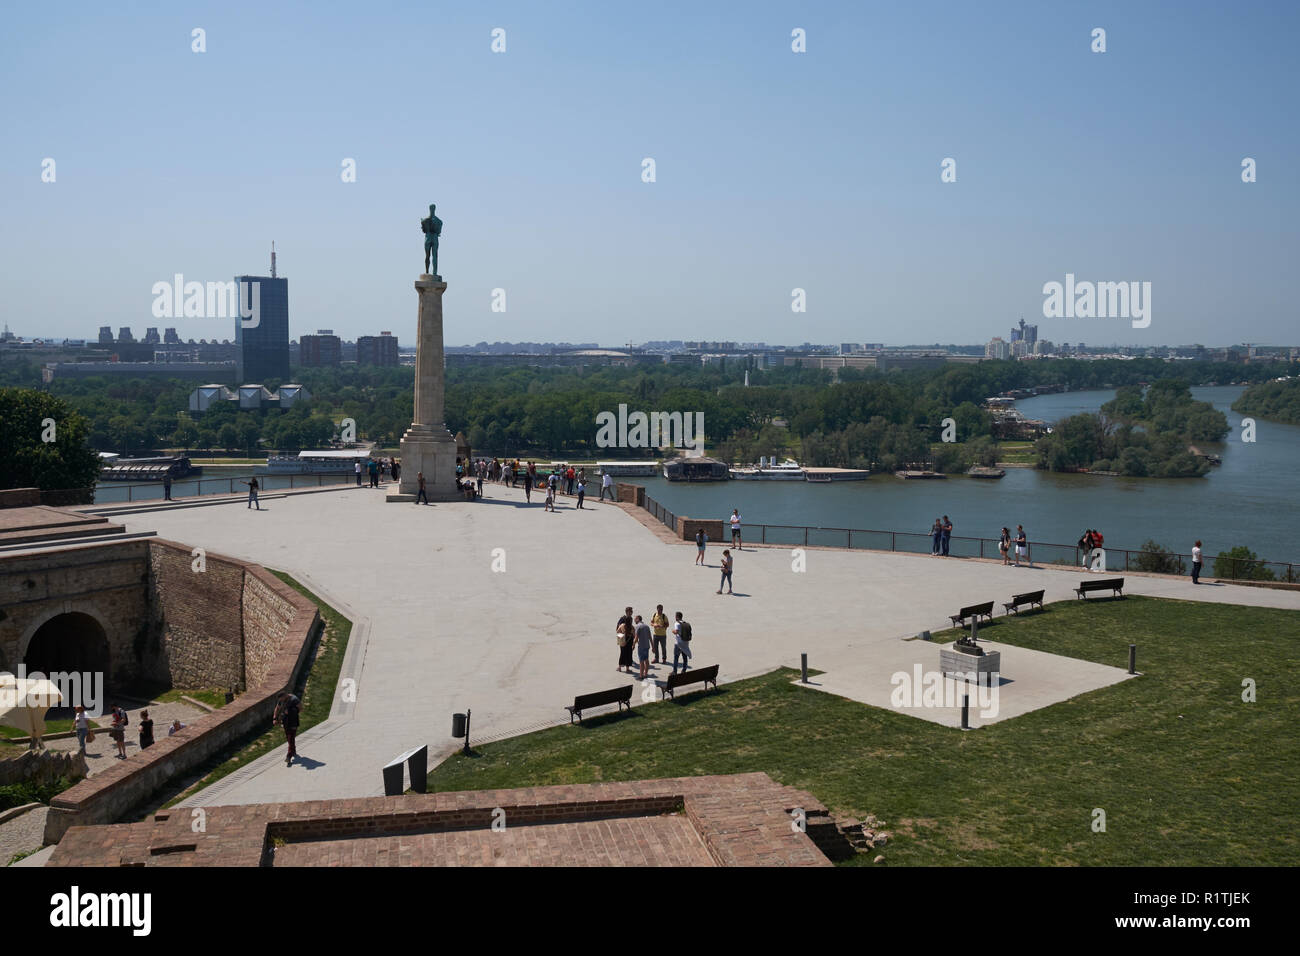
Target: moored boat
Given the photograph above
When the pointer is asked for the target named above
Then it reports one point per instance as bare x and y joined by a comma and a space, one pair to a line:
984, 471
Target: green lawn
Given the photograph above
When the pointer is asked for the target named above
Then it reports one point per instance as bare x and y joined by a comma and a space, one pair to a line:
1186, 772
51, 727
317, 698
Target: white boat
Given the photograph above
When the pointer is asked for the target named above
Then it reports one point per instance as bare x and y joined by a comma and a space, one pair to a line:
788, 470
327, 462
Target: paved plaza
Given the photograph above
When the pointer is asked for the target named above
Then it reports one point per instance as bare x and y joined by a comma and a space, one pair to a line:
437, 630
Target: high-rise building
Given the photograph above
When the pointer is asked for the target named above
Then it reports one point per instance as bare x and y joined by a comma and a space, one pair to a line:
105, 335
997, 349
1025, 333
378, 349
170, 337
263, 349
151, 337
124, 334
323, 348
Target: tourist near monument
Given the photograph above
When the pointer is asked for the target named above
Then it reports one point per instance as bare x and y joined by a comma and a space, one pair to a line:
428, 448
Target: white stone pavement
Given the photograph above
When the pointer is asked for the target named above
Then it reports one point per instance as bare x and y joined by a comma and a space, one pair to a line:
438, 631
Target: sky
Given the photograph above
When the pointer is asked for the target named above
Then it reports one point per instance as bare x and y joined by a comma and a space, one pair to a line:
774, 170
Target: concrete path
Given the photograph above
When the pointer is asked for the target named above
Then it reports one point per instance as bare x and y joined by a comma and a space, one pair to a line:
446, 632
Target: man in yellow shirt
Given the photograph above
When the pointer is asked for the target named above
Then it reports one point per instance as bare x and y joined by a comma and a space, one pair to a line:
659, 625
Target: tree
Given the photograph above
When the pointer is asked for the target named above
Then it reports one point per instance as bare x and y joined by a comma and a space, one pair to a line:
27, 459
1158, 560
1241, 564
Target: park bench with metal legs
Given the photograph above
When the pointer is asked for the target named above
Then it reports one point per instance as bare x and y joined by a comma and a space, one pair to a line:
1018, 601
616, 695
975, 610
1114, 585
706, 675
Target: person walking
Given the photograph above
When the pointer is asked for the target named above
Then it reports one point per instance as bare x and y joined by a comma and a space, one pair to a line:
1004, 545
1196, 563
607, 485
146, 730
626, 633
287, 716
550, 496
252, 492
681, 643
735, 530
1022, 546
419, 478
374, 473
726, 570
659, 627
947, 534
528, 489
936, 533
701, 539
82, 724
118, 731
356, 467
643, 639
570, 477
167, 486
481, 470
1084, 544
582, 492
396, 470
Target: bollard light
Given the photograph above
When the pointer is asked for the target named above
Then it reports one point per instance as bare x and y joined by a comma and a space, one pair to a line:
965, 711
803, 666
1132, 658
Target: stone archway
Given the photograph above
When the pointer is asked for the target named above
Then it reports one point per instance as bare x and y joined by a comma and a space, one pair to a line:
71, 642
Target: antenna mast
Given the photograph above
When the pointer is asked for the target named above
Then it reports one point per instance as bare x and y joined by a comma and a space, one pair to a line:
272, 258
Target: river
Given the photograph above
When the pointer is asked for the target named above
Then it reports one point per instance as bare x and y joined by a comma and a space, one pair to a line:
1250, 499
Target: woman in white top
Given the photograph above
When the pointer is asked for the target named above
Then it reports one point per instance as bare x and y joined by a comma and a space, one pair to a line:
1196, 563
82, 724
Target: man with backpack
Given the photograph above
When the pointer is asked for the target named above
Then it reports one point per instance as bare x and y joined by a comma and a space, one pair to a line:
681, 643
286, 715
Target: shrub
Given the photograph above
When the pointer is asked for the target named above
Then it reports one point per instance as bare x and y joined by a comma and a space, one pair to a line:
1241, 564
1157, 559
17, 794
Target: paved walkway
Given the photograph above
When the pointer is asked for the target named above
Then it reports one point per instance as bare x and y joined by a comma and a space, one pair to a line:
446, 632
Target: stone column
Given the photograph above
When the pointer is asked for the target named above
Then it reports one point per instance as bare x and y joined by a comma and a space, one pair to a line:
427, 446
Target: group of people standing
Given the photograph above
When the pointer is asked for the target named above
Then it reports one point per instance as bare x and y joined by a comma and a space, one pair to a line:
940, 535
377, 468
635, 635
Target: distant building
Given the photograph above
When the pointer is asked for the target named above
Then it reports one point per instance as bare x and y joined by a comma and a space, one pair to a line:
151, 337
998, 348
124, 334
323, 348
171, 338
264, 348
105, 335
378, 349
193, 371
247, 397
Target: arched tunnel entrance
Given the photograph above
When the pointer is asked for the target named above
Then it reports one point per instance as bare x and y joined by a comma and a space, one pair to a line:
72, 642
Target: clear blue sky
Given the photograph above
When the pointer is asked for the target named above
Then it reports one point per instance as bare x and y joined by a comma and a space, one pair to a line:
775, 170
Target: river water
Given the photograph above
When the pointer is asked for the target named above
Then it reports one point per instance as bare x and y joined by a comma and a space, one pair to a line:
1250, 499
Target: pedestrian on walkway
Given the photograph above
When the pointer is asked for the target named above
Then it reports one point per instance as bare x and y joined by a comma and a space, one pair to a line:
528, 489
396, 470
681, 643
735, 530
252, 492
118, 731
643, 639
936, 533
947, 533
1196, 563
82, 724
570, 477
582, 492
726, 570
287, 716
146, 730
167, 486
607, 485
374, 473
1022, 546
1004, 545
1097, 559
419, 477
659, 625
700, 540
480, 480
626, 633
550, 496
356, 466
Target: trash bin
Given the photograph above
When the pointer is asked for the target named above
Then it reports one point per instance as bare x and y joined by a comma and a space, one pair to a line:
458, 725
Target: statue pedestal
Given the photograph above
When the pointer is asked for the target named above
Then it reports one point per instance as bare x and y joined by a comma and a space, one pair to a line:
435, 455
976, 668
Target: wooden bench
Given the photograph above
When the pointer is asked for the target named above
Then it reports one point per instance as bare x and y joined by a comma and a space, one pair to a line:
1019, 600
617, 695
1115, 585
707, 675
975, 610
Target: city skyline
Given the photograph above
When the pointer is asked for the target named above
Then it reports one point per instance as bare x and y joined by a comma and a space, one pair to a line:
817, 171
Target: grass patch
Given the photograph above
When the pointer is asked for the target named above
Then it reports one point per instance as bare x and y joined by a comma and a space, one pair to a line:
317, 698
51, 727
213, 697
21, 856
1188, 774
